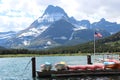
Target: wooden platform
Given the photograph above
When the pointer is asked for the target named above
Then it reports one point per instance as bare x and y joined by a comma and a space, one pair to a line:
77, 73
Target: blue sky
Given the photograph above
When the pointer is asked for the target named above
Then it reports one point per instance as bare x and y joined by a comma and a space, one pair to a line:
17, 15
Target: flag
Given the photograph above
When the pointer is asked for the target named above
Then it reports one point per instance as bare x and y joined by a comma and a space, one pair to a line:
97, 34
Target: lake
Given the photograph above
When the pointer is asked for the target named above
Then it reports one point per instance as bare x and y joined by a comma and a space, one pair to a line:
20, 68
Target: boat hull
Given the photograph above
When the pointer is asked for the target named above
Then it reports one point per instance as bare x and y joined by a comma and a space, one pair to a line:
77, 73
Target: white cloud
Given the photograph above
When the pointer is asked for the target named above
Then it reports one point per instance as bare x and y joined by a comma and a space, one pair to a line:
19, 14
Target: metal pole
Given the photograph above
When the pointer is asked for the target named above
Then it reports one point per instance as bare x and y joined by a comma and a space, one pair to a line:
94, 43
33, 67
94, 47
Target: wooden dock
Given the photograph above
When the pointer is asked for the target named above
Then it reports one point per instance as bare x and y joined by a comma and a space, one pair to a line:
73, 73
76, 73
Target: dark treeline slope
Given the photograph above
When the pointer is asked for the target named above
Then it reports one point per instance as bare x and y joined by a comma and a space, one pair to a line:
108, 44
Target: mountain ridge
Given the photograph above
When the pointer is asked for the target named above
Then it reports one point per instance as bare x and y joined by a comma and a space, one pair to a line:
37, 35
109, 44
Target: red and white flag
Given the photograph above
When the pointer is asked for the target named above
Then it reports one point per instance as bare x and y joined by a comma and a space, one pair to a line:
98, 35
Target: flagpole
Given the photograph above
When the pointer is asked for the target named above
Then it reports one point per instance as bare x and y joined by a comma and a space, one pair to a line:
94, 44
98, 35
94, 47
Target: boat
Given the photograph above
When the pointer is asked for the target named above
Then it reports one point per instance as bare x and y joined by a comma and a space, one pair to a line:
64, 70
77, 67
86, 67
46, 66
99, 66
61, 66
61, 69
75, 73
112, 65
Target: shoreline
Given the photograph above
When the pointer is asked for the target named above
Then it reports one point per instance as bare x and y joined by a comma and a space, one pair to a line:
40, 55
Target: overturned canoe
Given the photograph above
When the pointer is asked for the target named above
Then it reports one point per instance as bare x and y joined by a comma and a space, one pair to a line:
113, 66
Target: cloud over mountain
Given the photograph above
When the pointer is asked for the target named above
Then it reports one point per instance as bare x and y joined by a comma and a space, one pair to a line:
56, 28
18, 14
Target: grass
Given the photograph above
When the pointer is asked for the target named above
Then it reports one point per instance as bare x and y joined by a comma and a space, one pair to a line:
18, 55
38, 55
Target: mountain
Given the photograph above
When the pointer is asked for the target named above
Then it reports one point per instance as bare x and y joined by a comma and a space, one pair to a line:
55, 13
85, 35
24, 37
60, 31
83, 24
111, 27
108, 44
112, 39
104, 45
2, 48
6, 36
50, 15
56, 28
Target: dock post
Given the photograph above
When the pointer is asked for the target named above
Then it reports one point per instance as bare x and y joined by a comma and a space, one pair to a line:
119, 57
89, 59
33, 67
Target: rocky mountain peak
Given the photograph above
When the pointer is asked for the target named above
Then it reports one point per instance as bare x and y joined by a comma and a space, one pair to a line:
53, 9
102, 20
51, 14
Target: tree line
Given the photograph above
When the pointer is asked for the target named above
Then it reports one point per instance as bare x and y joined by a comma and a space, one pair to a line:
83, 48
109, 44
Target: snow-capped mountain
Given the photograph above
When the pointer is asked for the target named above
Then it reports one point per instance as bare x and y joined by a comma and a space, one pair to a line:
51, 14
83, 24
56, 28
6, 36
60, 31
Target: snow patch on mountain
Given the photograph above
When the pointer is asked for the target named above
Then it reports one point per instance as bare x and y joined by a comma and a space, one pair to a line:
71, 37
76, 29
51, 17
34, 31
62, 38
79, 28
26, 43
49, 43
7, 35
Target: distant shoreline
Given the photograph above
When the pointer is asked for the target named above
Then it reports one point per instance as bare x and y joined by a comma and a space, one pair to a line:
60, 54
39, 55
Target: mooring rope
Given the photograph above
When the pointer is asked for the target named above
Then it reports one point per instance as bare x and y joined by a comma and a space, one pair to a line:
26, 67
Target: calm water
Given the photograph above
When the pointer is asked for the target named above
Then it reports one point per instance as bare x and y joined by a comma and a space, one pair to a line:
20, 68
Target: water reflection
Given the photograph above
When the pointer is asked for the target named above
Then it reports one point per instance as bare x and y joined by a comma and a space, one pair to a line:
15, 68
